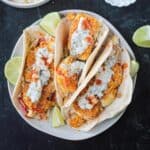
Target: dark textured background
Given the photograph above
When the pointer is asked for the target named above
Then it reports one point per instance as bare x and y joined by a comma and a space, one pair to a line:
131, 132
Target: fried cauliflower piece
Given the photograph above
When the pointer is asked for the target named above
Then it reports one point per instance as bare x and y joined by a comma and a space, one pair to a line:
111, 92
67, 82
88, 114
76, 121
47, 100
92, 25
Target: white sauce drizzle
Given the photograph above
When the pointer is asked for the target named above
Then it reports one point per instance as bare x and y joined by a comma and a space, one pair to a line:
78, 40
84, 103
34, 91
104, 75
42, 72
74, 68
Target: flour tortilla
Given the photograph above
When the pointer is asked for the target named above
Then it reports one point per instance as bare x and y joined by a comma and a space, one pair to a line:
101, 39
62, 33
30, 39
118, 105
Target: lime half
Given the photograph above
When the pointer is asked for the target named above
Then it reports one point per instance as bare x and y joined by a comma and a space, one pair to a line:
141, 37
12, 68
134, 68
57, 117
49, 22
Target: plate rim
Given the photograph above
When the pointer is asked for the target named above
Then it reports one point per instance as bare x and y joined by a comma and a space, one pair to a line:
117, 117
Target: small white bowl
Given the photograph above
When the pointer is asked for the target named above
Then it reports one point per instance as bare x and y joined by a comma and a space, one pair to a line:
120, 3
25, 5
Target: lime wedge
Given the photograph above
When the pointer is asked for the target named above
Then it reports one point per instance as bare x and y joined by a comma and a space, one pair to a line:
134, 68
57, 117
12, 68
141, 37
49, 22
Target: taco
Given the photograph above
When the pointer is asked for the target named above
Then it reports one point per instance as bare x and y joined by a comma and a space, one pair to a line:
79, 38
35, 89
106, 91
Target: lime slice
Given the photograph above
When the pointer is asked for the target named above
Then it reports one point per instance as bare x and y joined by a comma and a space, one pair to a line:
49, 22
134, 68
57, 117
12, 68
141, 37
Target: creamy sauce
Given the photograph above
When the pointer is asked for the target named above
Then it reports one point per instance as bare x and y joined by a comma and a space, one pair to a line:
84, 103
104, 75
78, 40
34, 91
42, 73
43, 53
74, 68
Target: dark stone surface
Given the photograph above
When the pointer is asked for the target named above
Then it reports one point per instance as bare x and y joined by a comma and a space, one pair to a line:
131, 132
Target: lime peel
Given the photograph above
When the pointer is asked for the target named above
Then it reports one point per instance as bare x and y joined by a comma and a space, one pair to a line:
134, 68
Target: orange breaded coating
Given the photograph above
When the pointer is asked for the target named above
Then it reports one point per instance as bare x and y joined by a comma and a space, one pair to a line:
90, 23
76, 121
68, 83
47, 99
88, 113
111, 92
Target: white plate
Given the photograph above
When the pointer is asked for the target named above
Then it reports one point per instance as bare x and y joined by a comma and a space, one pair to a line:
25, 5
66, 132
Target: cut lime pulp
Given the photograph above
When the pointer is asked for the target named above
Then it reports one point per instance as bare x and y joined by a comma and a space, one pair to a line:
57, 117
12, 69
49, 22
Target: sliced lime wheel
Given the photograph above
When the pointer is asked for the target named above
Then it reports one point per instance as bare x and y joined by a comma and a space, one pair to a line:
141, 37
57, 117
12, 69
49, 22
